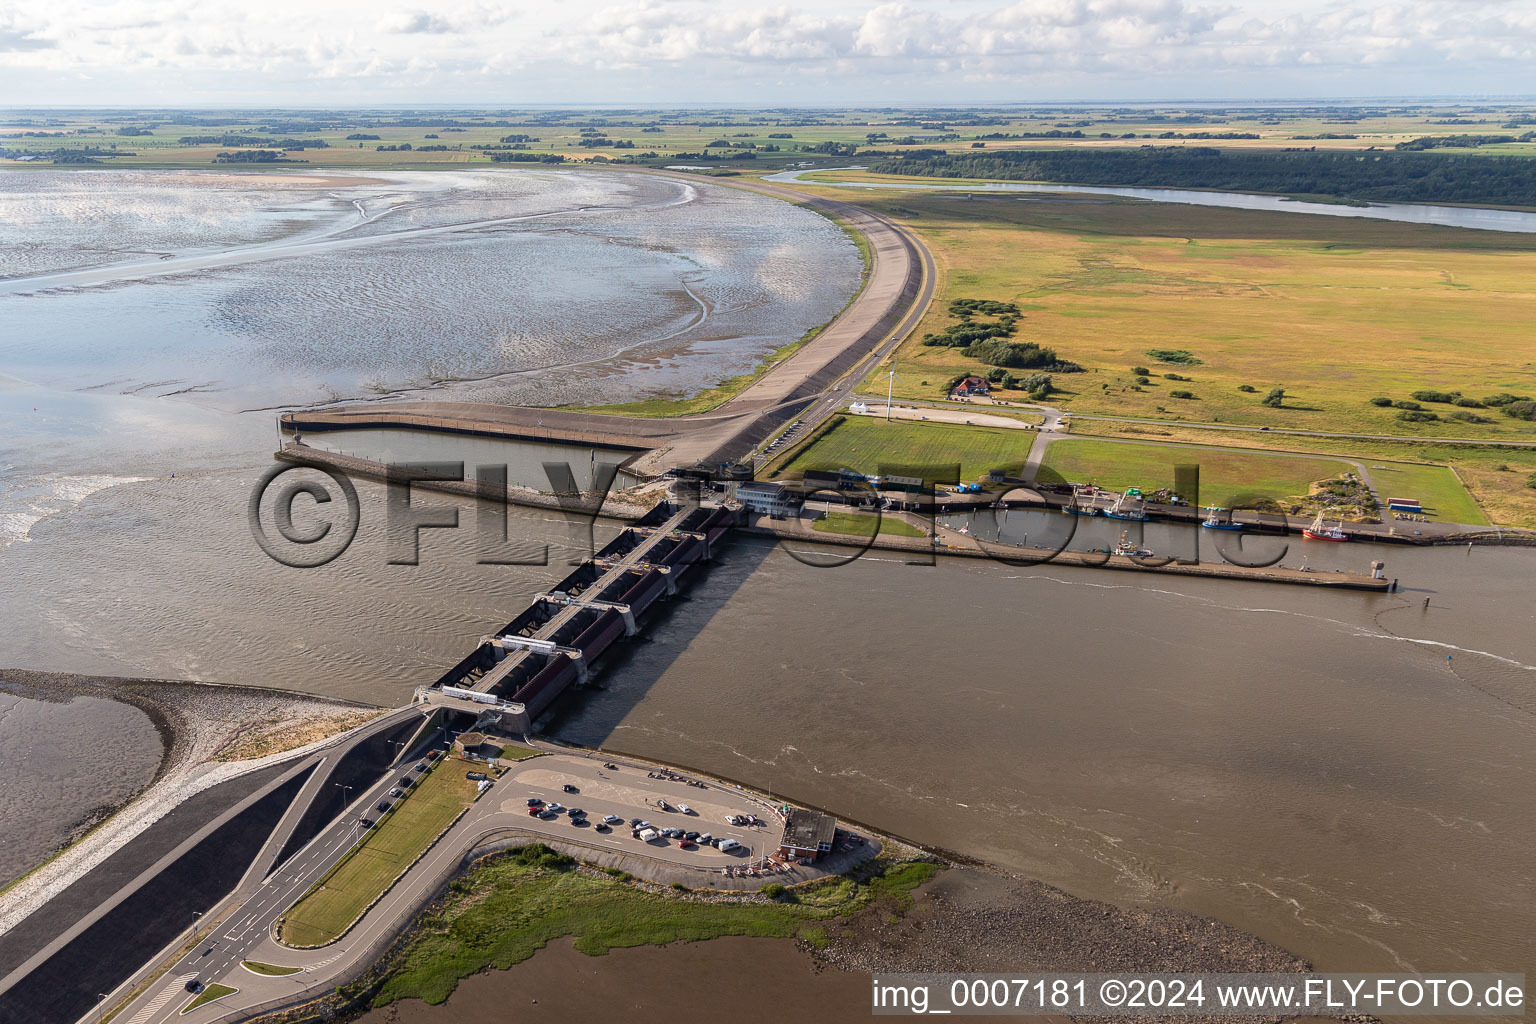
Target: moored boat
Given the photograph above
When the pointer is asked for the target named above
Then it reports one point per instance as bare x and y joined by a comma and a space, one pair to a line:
1214, 522
1318, 531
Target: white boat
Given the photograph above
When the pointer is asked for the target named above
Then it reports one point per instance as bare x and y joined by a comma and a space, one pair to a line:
1126, 548
1213, 522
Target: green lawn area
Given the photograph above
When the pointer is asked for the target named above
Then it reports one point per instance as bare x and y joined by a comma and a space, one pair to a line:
865, 444
270, 970
517, 752
862, 525
208, 995
1225, 473
1444, 497
418, 818
510, 907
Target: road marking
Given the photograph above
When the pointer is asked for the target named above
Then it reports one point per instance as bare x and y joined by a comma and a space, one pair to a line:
158, 1003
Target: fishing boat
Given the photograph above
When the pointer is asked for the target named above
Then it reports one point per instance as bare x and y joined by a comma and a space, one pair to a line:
1214, 522
1119, 511
1317, 531
1125, 547
1080, 510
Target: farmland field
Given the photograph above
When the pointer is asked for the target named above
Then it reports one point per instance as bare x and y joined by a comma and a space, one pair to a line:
1335, 312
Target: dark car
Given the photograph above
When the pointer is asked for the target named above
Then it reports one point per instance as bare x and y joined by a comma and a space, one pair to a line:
407, 782
634, 821
548, 815
383, 805
194, 986
367, 823
576, 812
603, 828
534, 801
579, 822
570, 788
692, 837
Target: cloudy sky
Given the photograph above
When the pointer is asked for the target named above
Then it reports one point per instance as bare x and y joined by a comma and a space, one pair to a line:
726, 51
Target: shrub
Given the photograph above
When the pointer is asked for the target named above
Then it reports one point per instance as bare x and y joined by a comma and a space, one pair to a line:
1446, 397
1504, 398
1247, 388
1530, 481
1038, 383
773, 890
1140, 371
1173, 376
1410, 406
1143, 380
1470, 417
1181, 394
1173, 355
1469, 403
1383, 402
679, 886
987, 307
1275, 399
1414, 416
1525, 409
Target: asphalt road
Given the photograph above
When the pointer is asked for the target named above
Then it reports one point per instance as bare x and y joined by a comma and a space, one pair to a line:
245, 932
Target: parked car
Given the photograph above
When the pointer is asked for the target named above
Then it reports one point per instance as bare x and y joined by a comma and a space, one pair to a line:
612, 819
383, 805
705, 840
534, 801
570, 788
600, 827
407, 782
687, 844
534, 812
548, 815
579, 822
367, 823
634, 821
649, 835
576, 812
396, 792
421, 766
684, 809
727, 845
556, 806
691, 836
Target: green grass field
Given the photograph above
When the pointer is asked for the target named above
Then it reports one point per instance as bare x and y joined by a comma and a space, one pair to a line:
419, 818
866, 444
208, 995
860, 525
1443, 495
1336, 311
510, 907
1225, 473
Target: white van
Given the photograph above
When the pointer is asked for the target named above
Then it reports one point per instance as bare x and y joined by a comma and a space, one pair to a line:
684, 809
647, 835
727, 845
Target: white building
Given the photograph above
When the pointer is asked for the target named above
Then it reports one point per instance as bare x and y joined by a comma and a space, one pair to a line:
767, 498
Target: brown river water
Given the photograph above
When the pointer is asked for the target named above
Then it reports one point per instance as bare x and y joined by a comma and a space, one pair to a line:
1306, 765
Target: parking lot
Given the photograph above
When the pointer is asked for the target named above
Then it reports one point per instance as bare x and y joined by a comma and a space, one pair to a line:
628, 793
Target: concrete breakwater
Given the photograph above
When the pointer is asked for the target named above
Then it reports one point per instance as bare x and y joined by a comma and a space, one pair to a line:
952, 542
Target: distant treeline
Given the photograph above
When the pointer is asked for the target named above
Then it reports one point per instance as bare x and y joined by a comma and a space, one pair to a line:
528, 158
252, 140
1461, 141
255, 156
1421, 177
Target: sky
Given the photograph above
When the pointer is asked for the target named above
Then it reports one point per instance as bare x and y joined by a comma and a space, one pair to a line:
319, 53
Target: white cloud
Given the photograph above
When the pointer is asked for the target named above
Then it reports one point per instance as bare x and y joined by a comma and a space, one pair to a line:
904, 50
